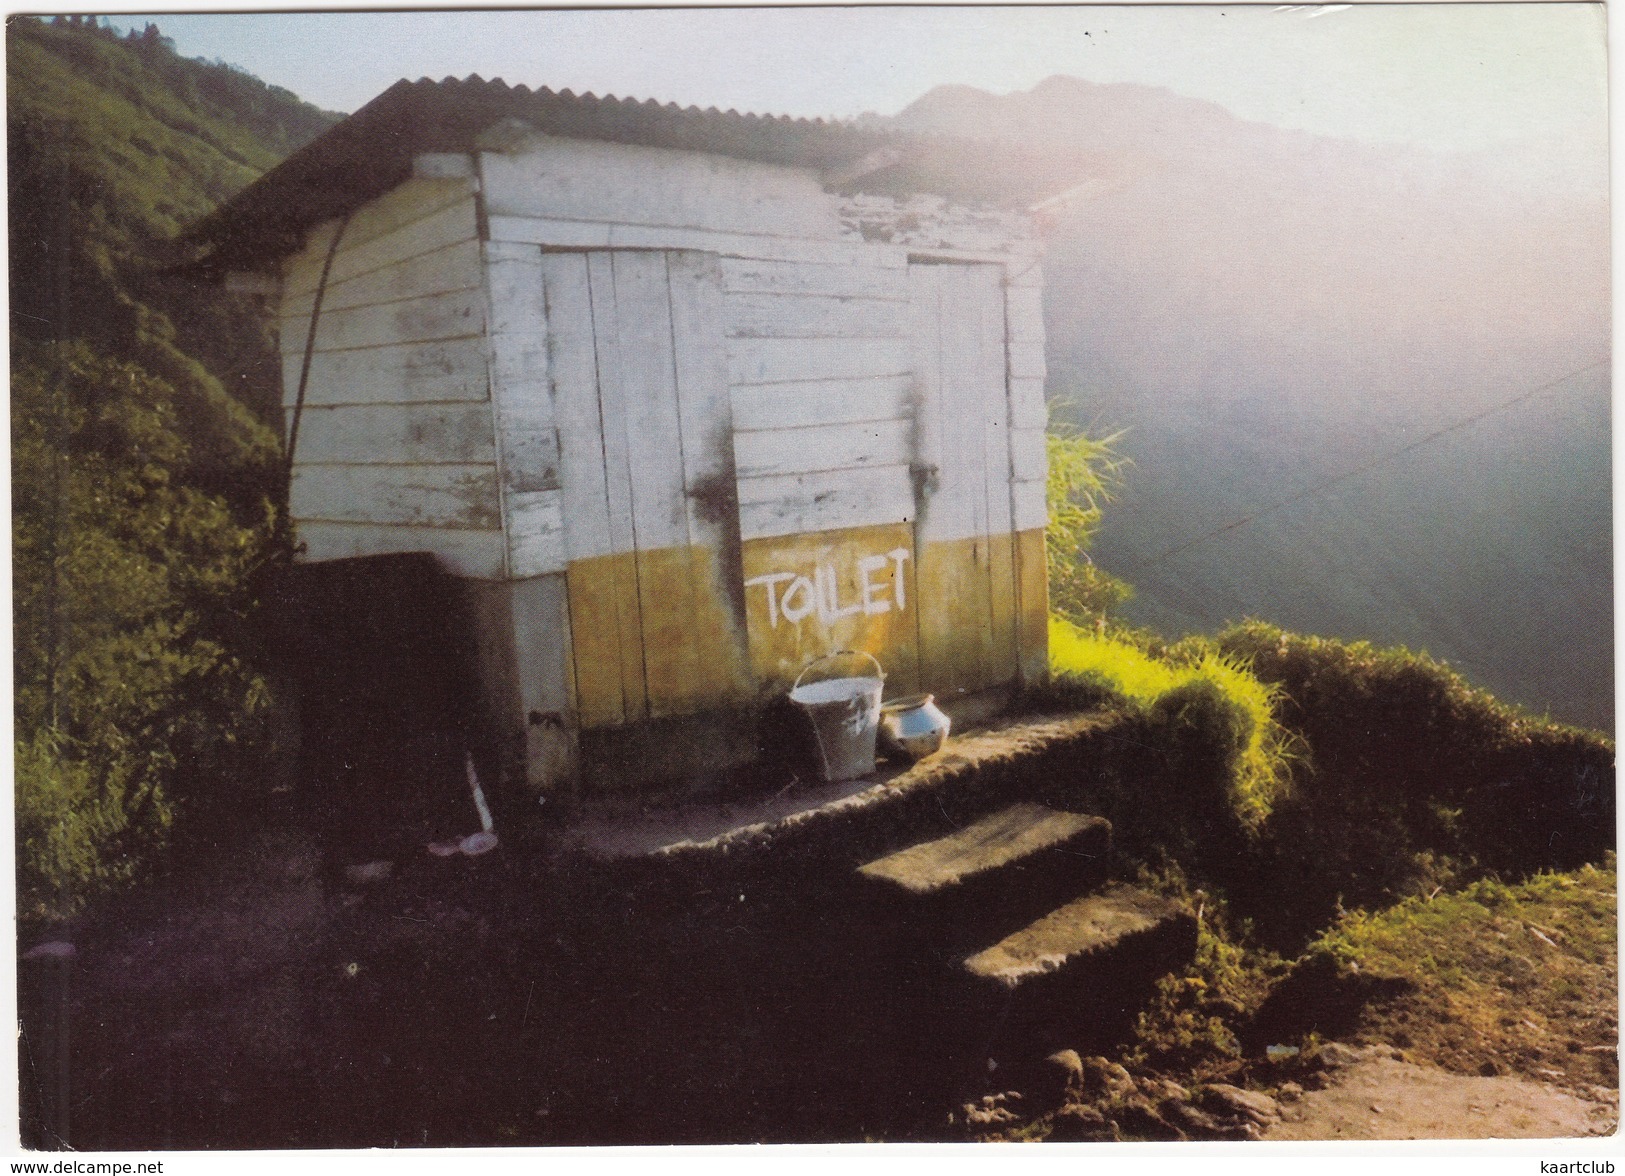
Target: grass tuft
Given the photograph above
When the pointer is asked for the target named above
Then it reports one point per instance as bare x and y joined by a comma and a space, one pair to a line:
1212, 712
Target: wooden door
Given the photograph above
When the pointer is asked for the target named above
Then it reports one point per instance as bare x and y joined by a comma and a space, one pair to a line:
966, 558
646, 471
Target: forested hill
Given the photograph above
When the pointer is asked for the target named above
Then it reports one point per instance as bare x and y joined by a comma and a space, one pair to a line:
117, 144
143, 453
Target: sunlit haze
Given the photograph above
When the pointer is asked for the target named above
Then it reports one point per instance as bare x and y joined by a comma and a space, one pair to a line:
1444, 75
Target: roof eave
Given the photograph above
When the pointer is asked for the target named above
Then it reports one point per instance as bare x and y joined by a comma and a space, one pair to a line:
373, 151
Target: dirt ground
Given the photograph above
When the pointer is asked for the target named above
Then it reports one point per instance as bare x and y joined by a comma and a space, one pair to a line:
530, 998
524, 997
1383, 1098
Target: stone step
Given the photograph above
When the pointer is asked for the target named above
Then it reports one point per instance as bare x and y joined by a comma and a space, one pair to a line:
1084, 968
1087, 927
988, 877
852, 821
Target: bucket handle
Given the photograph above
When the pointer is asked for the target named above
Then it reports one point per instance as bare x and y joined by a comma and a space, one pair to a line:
879, 671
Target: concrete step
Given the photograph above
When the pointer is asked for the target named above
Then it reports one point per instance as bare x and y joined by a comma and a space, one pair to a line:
1081, 970
853, 821
989, 877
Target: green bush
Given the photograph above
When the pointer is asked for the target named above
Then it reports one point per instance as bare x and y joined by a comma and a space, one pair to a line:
131, 592
1403, 741
1084, 473
1207, 722
140, 472
1471, 954
1192, 1013
78, 831
1411, 780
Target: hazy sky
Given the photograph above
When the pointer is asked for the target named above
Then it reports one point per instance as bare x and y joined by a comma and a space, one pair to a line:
1452, 75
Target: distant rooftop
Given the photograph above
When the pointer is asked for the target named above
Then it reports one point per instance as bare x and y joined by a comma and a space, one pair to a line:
372, 151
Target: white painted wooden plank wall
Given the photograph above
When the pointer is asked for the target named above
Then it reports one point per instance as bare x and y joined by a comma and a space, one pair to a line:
450, 314
411, 201
778, 361
561, 234
930, 223
1028, 408
638, 384
402, 301
947, 509
620, 184
522, 403
959, 355
477, 554
880, 279
360, 255
961, 508
638, 375
820, 381
573, 371
535, 533
784, 316
636, 368
813, 329
604, 325
704, 405
1028, 505
1028, 461
397, 443
1029, 413
451, 267
826, 501
441, 495
417, 434
394, 373
801, 403
769, 453
1027, 359
982, 313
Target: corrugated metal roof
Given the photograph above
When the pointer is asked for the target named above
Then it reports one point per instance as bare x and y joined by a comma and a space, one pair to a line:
372, 151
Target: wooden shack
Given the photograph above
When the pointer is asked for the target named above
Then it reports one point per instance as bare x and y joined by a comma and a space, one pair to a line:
685, 398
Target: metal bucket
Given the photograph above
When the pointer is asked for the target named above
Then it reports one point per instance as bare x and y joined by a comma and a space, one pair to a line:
845, 714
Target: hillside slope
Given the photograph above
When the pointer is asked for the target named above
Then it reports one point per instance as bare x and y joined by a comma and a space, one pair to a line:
115, 145
143, 451
1266, 310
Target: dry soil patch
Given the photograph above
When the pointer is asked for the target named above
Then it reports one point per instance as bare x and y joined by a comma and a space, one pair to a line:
1381, 1098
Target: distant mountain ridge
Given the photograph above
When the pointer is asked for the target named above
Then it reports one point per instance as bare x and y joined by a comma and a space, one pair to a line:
1268, 309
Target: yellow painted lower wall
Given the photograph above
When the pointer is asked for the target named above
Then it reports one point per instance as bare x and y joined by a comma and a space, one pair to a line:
967, 615
1032, 606
655, 635
663, 633
808, 595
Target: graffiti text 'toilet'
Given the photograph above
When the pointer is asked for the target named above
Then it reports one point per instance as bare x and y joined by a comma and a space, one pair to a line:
819, 593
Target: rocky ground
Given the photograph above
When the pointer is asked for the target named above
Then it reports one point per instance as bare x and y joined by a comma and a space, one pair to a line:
1341, 1092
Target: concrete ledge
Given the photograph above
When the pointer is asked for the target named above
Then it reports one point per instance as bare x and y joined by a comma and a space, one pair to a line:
933, 798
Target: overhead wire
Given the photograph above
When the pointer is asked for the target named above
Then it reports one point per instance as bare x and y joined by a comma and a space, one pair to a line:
1365, 468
